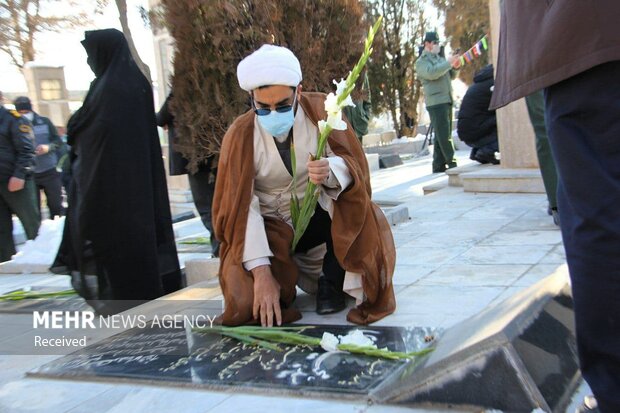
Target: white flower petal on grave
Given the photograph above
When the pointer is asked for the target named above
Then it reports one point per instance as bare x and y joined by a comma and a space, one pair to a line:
331, 104
322, 126
357, 338
329, 342
335, 121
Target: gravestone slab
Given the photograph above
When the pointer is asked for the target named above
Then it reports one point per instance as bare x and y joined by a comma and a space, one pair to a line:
389, 160
516, 356
185, 358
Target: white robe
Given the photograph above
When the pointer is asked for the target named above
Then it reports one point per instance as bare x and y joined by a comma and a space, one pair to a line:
272, 194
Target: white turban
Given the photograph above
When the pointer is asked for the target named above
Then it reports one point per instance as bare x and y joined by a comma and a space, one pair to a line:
269, 65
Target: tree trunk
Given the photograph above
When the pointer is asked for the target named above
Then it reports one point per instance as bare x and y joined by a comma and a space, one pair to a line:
121, 5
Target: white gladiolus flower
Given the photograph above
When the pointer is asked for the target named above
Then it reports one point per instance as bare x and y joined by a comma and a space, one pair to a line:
347, 102
335, 121
331, 104
329, 342
322, 126
357, 338
340, 86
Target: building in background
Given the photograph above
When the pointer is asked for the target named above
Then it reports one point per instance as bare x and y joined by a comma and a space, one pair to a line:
48, 92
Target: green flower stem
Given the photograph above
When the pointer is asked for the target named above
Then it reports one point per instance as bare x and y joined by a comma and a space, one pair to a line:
196, 241
270, 338
251, 341
301, 215
381, 353
29, 295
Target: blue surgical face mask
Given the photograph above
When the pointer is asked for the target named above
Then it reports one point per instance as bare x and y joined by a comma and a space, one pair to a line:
278, 123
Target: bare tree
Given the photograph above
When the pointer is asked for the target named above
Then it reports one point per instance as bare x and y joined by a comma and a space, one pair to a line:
467, 21
393, 82
121, 6
22, 20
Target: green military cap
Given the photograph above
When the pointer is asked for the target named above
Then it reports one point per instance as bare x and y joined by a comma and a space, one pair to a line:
431, 37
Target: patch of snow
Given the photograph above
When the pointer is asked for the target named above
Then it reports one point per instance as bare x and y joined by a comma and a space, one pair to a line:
43, 249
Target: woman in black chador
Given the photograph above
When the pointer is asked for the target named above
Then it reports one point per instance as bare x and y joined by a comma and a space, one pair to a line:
118, 242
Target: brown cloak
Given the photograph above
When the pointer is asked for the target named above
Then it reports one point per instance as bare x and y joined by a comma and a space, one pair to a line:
362, 237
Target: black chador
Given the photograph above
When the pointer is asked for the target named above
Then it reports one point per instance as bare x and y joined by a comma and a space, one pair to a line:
118, 242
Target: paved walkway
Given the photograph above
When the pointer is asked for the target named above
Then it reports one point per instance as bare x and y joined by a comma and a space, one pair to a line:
459, 253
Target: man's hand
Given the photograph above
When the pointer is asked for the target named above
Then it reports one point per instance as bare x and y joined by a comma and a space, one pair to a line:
318, 171
16, 184
266, 296
42, 150
455, 61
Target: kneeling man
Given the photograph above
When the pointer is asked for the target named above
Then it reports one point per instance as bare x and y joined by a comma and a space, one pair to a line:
348, 246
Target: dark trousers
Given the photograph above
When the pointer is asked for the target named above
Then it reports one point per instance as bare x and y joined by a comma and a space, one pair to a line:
50, 182
23, 204
583, 120
320, 231
536, 109
443, 154
202, 185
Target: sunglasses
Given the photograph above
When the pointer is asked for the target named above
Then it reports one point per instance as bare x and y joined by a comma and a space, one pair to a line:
279, 109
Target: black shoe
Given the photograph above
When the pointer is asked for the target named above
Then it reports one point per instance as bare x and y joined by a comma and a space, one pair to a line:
589, 405
328, 299
556, 216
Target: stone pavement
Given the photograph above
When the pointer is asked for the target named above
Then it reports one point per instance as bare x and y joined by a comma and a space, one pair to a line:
459, 253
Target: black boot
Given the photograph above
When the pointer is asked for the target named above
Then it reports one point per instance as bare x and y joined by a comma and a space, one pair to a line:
329, 299
556, 216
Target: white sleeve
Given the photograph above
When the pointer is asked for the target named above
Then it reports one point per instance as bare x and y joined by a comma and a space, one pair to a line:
256, 244
339, 177
250, 265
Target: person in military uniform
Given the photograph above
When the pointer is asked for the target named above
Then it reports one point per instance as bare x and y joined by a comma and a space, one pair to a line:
359, 115
47, 146
436, 74
17, 191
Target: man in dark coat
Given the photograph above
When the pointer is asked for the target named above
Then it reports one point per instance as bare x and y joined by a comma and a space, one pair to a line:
47, 146
201, 182
477, 125
572, 50
16, 186
118, 227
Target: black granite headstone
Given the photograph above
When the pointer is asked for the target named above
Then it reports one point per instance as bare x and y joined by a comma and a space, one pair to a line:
389, 160
516, 356
183, 216
181, 357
